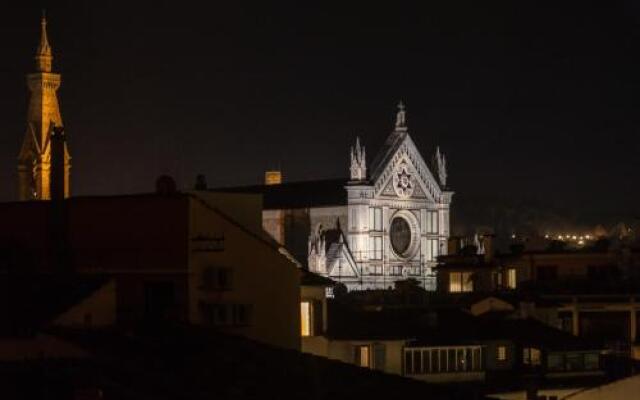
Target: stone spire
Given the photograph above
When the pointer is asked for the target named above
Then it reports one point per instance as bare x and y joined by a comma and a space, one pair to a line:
43, 55
358, 162
43, 117
441, 166
401, 118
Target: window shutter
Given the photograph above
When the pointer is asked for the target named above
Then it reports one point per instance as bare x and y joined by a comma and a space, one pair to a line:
317, 318
379, 356
356, 355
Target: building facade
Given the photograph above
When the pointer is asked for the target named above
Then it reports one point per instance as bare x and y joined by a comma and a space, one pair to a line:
397, 217
172, 257
43, 116
387, 222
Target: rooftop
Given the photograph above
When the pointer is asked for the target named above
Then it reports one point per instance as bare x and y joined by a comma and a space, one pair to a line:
291, 195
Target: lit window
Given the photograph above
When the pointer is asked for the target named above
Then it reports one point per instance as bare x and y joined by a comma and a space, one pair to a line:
531, 356
467, 282
502, 353
454, 282
460, 282
305, 318
362, 356
511, 278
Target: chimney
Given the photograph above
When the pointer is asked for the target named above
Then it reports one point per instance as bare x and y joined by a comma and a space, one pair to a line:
453, 245
56, 180
488, 242
272, 177
201, 182
166, 185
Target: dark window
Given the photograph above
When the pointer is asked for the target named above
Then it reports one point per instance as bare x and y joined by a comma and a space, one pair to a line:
220, 314
566, 320
591, 361
241, 314
317, 316
451, 360
417, 362
208, 278
602, 272
574, 362
379, 356
435, 361
408, 362
547, 272
477, 359
426, 361
216, 278
555, 362
224, 278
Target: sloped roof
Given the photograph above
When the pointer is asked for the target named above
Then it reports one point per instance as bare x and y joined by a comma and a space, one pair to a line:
291, 195
384, 155
309, 278
34, 300
181, 361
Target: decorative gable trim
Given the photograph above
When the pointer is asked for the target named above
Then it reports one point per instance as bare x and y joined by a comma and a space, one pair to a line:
407, 150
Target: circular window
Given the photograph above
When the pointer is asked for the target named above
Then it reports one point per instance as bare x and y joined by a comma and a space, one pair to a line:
400, 235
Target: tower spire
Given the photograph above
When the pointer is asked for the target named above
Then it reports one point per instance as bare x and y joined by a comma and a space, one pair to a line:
43, 54
36, 158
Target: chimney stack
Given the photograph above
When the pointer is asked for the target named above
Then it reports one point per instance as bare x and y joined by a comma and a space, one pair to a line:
272, 177
453, 245
488, 242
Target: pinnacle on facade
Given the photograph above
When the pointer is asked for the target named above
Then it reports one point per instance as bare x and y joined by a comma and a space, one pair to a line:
401, 117
358, 162
43, 55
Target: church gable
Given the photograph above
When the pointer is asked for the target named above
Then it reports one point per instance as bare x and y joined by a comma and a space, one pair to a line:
406, 175
399, 170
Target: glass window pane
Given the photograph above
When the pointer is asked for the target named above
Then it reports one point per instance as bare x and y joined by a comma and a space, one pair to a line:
364, 356
460, 360
443, 360
477, 361
305, 318
426, 361
417, 362
591, 361
435, 361
408, 362
555, 362
502, 353
451, 360
455, 284
467, 282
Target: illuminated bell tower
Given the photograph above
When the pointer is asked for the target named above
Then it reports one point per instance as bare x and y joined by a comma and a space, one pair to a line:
34, 160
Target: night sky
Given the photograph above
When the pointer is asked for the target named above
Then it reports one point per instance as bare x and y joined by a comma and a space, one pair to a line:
532, 105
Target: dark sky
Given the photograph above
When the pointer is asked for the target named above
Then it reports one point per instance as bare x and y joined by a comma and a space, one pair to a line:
531, 104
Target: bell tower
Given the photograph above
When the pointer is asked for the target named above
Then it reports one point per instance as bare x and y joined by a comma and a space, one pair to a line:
43, 115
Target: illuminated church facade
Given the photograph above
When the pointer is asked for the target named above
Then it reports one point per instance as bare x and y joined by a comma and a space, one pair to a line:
389, 221
44, 128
